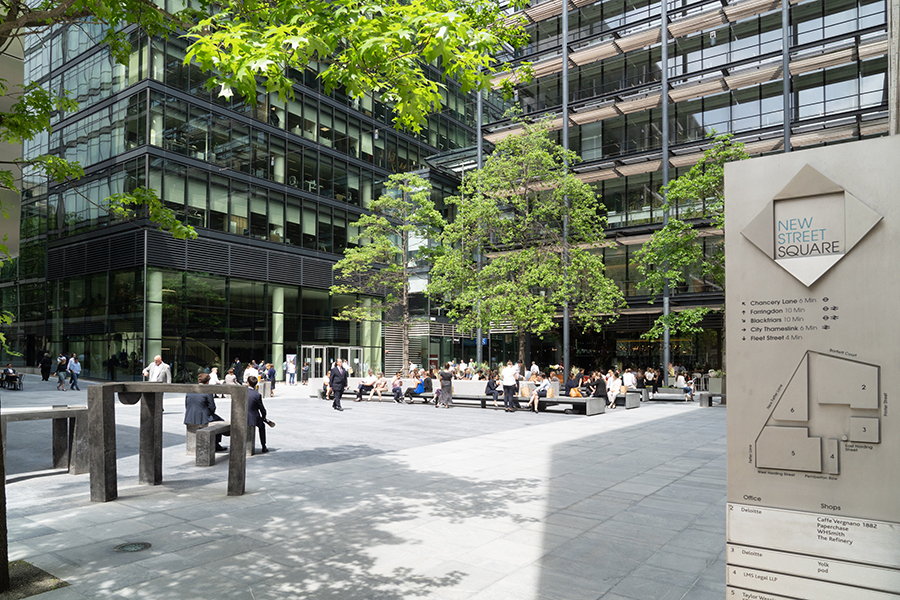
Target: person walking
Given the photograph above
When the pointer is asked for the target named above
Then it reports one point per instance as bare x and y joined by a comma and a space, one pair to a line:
270, 375
291, 371
45, 366
75, 371
446, 386
61, 370
509, 377
337, 383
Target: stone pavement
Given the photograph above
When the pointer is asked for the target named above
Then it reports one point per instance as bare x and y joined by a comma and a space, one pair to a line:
386, 502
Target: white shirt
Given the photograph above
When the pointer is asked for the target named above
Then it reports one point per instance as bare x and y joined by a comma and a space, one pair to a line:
614, 383
508, 375
535, 368
250, 372
680, 382
213, 378
543, 385
369, 380
628, 379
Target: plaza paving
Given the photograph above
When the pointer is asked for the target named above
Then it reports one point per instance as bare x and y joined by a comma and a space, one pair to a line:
386, 502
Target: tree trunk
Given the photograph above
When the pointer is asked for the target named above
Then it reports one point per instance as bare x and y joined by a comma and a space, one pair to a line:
522, 334
404, 305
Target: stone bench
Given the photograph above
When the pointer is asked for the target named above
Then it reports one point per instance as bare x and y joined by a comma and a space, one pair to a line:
706, 398
632, 399
671, 394
206, 442
69, 434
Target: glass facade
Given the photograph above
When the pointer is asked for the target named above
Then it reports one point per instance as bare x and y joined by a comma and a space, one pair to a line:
724, 72
282, 177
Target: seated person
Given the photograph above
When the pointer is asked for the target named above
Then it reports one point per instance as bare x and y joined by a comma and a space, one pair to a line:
422, 387
540, 390
397, 387
493, 387
367, 384
574, 382
9, 375
688, 389
381, 385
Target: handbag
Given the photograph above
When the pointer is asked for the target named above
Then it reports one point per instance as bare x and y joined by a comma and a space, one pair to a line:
623, 389
575, 393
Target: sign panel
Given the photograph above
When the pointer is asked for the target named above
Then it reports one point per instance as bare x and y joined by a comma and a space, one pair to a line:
812, 345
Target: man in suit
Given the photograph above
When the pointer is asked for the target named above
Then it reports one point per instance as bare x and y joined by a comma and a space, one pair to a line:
200, 409
337, 382
158, 371
256, 412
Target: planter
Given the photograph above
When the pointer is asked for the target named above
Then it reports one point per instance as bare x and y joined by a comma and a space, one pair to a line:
716, 385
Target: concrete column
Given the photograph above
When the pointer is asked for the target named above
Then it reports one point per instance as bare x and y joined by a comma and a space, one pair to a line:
102, 426
78, 445
278, 331
150, 452
60, 443
893, 79
154, 315
237, 458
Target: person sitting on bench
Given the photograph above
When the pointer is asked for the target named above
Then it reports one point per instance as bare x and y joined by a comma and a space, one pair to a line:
397, 387
493, 386
381, 385
540, 391
367, 384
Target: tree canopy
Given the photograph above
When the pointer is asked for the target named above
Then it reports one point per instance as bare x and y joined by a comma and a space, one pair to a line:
511, 214
397, 234
675, 253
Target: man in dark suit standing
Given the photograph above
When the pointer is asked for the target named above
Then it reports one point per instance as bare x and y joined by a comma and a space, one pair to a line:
337, 382
256, 412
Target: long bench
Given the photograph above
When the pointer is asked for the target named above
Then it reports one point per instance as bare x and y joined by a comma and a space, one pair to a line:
672, 394
69, 434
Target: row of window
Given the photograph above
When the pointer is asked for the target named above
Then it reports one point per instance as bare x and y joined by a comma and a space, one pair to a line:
828, 92
810, 22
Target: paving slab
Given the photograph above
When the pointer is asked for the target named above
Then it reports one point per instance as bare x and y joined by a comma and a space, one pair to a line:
387, 501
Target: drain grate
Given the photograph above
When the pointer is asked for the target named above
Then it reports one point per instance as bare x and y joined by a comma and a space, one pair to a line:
132, 547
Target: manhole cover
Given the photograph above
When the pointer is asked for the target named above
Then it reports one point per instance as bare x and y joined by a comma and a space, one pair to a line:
132, 547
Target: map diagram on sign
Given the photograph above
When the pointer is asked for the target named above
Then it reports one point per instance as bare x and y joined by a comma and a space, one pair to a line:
829, 400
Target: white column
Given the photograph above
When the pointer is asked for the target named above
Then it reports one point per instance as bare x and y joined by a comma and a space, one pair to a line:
278, 331
154, 315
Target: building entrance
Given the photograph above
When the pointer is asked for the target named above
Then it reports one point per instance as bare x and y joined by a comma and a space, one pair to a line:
321, 359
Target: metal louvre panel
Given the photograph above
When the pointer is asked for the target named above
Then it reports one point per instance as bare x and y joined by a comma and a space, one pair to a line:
824, 135
600, 175
207, 256
873, 49
97, 256
126, 250
56, 259
503, 133
594, 53
697, 22
823, 61
685, 160
547, 67
596, 114
544, 11
764, 146
750, 8
630, 105
248, 263
871, 127
644, 167
697, 89
393, 345
75, 260
317, 273
646, 37
754, 76
285, 269
165, 251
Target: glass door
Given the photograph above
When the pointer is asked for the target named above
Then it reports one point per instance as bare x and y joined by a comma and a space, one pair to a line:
315, 356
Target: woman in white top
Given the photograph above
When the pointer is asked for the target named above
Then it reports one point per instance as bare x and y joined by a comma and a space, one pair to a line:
612, 388
381, 385
540, 390
683, 385
508, 377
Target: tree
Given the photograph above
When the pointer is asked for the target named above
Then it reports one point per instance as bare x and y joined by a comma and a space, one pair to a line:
380, 268
674, 254
511, 213
364, 46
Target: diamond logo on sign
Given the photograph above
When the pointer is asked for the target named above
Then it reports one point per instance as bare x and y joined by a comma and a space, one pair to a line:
810, 225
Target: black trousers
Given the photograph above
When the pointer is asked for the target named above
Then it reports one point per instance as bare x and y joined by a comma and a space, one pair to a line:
495, 394
337, 398
262, 433
509, 396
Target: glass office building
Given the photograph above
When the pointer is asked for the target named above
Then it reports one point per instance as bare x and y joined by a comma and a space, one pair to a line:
724, 72
271, 186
